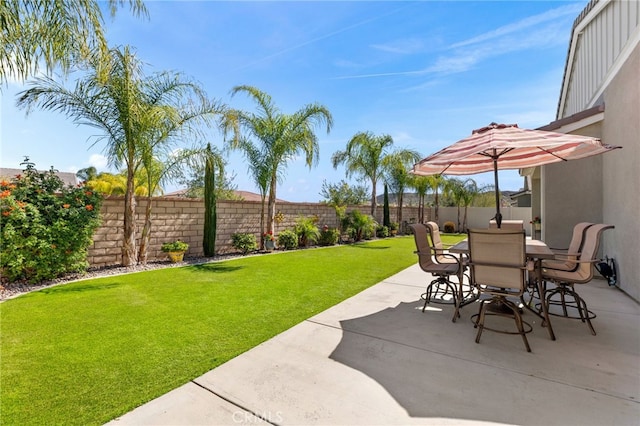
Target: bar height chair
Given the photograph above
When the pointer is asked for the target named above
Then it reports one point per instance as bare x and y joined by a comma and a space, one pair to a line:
441, 286
565, 280
499, 267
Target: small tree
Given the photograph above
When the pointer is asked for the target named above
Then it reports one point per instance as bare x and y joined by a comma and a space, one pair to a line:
340, 195
210, 218
386, 219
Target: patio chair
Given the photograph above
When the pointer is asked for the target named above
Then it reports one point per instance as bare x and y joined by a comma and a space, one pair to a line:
566, 279
438, 289
566, 258
498, 264
438, 248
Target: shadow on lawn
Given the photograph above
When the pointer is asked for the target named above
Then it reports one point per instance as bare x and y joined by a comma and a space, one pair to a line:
370, 247
215, 268
77, 288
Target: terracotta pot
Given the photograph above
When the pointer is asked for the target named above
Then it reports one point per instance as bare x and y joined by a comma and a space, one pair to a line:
176, 256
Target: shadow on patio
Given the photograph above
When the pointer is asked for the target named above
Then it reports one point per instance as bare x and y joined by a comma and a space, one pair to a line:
376, 358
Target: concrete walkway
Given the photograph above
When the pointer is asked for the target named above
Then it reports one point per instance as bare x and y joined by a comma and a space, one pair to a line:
376, 359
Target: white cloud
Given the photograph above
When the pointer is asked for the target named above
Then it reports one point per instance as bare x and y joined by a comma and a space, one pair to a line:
404, 47
524, 24
542, 30
98, 161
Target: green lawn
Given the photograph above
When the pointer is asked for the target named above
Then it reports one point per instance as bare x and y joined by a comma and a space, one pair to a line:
86, 352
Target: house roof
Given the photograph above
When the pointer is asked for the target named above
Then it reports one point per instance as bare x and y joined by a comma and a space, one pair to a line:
67, 178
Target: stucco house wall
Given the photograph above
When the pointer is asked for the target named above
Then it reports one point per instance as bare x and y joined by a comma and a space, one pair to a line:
606, 188
621, 176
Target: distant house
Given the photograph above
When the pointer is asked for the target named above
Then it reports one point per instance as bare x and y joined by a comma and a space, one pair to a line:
67, 177
600, 97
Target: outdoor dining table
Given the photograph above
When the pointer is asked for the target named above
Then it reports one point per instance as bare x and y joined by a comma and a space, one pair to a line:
536, 250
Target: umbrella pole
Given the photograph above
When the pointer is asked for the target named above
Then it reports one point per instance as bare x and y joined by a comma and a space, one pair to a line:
498, 217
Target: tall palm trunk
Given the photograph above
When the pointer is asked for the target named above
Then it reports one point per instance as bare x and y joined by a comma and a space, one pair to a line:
271, 211
145, 235
373, 198
262, 222
399, 210
129, 244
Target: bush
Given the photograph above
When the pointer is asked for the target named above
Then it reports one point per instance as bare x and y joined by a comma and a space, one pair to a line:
329, 236
393, 229
288, 239
175, 246
46, 227
382, 232
449, 227
359, 225
245, 242
306, 230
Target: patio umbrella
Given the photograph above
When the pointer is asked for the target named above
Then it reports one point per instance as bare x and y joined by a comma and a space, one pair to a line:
504, 147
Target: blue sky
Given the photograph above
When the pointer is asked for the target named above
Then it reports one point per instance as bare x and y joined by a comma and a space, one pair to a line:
427, 73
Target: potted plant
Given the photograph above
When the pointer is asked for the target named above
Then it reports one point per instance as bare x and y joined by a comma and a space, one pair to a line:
269, 241
537, 223
175, 249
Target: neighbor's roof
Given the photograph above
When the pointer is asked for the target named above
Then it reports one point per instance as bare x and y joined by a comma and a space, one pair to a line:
67, 177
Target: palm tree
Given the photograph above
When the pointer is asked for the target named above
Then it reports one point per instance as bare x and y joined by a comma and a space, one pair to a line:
259, 169
363, 157
59, 33
282, 137
396, 170
136, 114
421, 184
457, 192
87, 174
436, 182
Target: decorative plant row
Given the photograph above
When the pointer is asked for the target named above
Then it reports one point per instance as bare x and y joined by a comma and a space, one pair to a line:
356, 226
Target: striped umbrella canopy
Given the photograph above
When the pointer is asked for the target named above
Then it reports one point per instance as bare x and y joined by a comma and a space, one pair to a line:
504, 147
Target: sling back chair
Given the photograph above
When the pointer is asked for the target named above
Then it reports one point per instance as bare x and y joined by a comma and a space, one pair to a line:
498, 263
565, 280
441, 286
566, 258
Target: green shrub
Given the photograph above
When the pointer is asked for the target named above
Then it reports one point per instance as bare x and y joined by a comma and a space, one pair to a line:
245, 242
288, 239
359, 225
306, 230
329, 236
382, 231
175, 246
449, 227
46, 227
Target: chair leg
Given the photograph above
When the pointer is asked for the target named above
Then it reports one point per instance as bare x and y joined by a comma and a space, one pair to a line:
456, 311
580, 304
480, 323
518, 318
584, 312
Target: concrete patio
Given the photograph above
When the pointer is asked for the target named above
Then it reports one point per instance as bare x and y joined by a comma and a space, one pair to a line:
377, 359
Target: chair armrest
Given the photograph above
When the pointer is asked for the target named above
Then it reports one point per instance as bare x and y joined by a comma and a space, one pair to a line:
573, 261
567, 256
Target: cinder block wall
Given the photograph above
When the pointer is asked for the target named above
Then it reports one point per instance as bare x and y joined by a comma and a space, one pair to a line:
183, 218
